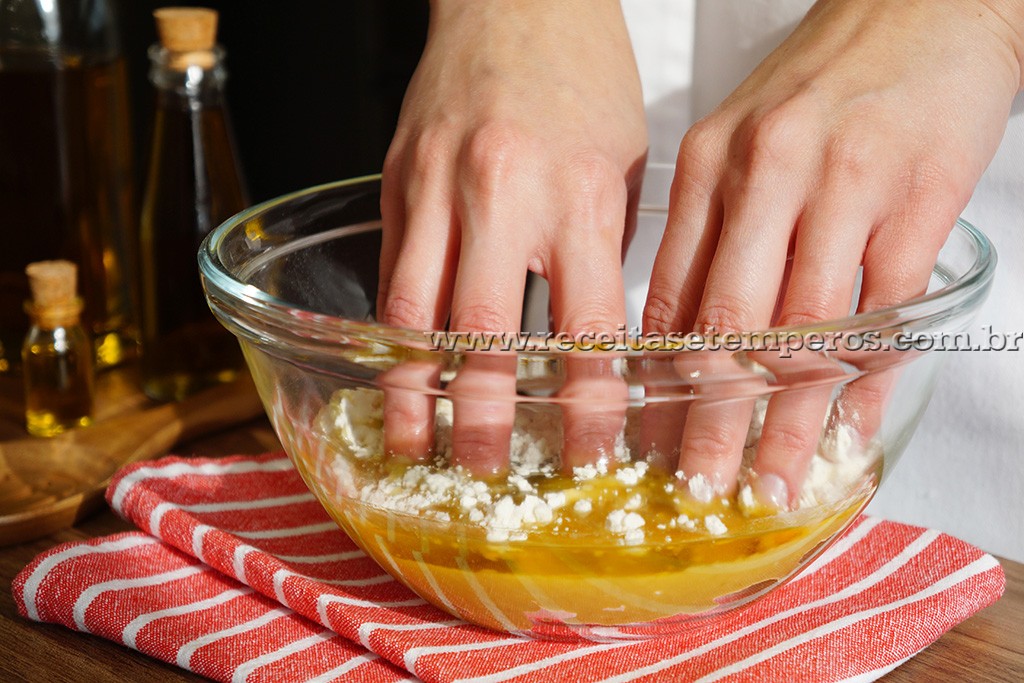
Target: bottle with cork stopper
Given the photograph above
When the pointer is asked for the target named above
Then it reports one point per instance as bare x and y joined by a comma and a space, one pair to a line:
193, 184
57, 354
66, 169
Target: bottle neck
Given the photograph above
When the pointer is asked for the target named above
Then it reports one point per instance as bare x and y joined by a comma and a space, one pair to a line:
54, 316
195, 77
61, 28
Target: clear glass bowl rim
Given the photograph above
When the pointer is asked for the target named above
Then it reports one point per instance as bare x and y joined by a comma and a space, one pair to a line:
224, 289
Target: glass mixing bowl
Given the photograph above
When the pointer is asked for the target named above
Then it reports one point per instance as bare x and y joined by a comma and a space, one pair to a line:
540, 485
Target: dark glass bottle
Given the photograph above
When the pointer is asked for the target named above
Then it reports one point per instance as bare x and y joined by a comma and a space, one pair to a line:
65, 165
193, 184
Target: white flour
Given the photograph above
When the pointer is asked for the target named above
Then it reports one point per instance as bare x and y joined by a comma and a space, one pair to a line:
509, 508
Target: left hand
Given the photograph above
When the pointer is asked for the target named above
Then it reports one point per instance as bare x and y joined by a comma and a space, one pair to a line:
857, 142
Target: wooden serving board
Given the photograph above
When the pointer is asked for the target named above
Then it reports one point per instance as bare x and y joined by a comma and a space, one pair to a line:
49, 484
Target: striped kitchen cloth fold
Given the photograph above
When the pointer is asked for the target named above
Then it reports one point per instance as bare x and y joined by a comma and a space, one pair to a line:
242, 576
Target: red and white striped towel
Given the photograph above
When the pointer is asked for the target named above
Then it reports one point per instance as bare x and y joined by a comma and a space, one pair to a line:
251, 581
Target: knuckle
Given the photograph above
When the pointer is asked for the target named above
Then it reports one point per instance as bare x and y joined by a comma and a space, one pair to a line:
702, 137
587, 321
404, 418
770, 137
479, 439
602, 381
481, 317
492, 149
709, 443
892, 281
848, 154
595, 434
788, 438
879, 301
805, 313
594, 173
698, 155
402, 311
421, 156
930, 185
888, 298
864, 395
435, 141
596, 203
660, 314
724, 314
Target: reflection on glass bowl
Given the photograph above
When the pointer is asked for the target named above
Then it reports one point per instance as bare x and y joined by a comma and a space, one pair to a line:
536, 484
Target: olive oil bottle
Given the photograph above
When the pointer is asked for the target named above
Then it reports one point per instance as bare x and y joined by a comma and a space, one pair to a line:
65, 167
57, 354
193, 185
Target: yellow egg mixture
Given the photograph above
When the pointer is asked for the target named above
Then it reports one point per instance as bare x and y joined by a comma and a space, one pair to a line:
615, 549
575, 570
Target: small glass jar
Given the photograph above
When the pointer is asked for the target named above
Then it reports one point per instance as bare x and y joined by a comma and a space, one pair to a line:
57, 355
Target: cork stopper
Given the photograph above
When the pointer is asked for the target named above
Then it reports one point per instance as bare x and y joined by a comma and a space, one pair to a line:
52, 282
188, 32
54, 296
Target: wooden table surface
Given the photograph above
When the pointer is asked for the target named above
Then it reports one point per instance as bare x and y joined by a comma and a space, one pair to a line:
986, 647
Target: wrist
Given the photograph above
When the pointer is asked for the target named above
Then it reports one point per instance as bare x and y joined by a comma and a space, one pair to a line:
443, 12
1008, 19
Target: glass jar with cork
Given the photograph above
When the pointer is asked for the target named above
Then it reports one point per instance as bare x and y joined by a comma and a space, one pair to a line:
193, 184
56, 354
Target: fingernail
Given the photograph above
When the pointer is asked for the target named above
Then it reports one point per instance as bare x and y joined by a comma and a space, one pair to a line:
770, 491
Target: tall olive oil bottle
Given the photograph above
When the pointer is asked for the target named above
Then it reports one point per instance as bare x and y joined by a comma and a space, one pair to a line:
193, 184
65, 166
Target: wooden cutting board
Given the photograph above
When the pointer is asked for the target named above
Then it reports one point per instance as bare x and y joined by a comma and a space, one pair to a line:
49, 484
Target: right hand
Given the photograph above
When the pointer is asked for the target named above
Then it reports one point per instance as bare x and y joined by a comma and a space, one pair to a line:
520, 147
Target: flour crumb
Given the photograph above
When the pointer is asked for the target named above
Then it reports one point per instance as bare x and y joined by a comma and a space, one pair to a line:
714, 525
700, 488
521, 502
634, 503
632, 474
746, 499
358, 423
628, 524
520, 482
588, 471
555, 500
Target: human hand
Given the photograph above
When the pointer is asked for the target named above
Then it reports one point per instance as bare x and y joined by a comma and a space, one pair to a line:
520, 147
856, 143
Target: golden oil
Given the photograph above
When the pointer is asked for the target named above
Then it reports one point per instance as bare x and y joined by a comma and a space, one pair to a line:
194, 183
57, 355
65, 179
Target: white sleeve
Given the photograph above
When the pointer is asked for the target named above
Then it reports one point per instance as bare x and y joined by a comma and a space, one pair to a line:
732, 38
662, 35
